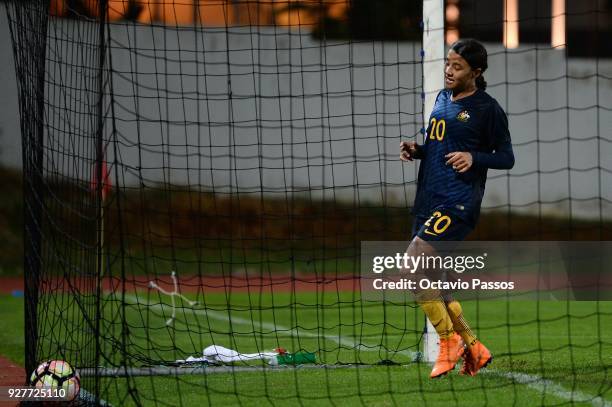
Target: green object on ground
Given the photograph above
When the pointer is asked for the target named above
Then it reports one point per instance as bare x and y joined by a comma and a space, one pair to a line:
297, 358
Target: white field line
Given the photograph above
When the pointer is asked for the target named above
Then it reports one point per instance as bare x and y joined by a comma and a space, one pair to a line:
548, 386
534, 382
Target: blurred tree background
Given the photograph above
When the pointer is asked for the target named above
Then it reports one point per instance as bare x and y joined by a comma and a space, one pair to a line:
334, 19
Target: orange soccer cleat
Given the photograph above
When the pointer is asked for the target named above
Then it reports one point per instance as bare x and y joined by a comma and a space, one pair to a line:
451, 350
475, 358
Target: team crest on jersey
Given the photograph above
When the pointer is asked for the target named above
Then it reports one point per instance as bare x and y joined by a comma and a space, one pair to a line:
463, 116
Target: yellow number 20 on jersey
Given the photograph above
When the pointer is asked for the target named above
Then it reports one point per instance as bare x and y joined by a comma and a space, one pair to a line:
437, 130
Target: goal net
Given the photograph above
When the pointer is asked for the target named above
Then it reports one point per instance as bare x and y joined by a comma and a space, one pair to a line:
200, 175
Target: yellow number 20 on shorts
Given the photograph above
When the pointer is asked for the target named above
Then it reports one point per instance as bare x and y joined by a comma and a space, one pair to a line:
441, 225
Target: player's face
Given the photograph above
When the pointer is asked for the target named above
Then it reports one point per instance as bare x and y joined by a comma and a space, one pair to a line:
458, 74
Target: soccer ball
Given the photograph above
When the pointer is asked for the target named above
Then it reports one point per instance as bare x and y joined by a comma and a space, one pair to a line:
57, 374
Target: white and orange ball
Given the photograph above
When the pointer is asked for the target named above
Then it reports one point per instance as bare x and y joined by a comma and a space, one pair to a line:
57, 374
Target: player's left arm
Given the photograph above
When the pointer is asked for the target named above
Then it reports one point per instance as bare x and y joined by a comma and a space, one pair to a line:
501, 155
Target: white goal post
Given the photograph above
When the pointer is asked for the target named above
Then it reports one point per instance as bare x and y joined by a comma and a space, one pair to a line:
433, 81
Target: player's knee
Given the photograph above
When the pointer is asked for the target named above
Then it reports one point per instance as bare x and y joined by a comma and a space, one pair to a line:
419, 246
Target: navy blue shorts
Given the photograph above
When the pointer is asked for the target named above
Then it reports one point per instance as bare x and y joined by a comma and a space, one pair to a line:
442, 225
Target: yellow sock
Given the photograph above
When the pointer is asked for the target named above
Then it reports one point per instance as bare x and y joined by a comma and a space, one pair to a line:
460, 325
438, 315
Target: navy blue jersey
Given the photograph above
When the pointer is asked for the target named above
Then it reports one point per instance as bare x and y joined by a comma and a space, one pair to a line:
476, 124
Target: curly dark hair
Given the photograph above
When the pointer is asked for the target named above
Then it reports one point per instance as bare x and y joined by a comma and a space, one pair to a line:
476, 56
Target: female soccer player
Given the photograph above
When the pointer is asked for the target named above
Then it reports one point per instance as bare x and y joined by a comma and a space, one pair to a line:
467, 134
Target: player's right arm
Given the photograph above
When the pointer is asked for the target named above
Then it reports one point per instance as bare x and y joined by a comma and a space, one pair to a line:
410, 150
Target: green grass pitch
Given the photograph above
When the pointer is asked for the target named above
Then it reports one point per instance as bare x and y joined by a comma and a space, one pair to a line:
546, 353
